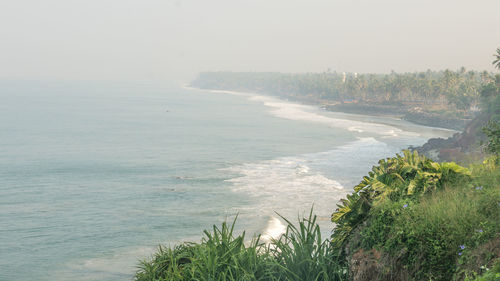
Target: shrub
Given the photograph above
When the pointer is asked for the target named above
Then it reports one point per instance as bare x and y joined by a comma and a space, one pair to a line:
299, 254
430, 219
400, 179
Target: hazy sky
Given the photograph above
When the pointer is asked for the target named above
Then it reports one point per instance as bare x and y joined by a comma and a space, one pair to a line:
156, 40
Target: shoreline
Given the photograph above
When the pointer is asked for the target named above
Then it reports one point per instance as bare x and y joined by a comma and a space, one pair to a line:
449, 147
330, 107
435, 147
414, 115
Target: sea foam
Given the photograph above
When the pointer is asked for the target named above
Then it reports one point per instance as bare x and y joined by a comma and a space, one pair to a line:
290, 186
300, 112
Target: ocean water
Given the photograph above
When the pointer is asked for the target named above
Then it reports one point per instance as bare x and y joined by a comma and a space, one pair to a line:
94, 176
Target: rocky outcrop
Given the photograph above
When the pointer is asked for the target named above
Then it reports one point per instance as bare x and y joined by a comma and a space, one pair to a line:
461, 147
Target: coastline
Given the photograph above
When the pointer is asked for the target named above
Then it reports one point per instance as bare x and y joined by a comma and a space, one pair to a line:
386, 129
455, 146
414, 115
355, 110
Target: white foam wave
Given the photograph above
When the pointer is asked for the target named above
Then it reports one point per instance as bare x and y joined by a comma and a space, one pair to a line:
286, 185
291, 185
307, 113
275, 228
355, 129
289, 174
299, 112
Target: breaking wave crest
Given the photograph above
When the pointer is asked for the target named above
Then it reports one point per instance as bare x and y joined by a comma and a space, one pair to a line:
300, 112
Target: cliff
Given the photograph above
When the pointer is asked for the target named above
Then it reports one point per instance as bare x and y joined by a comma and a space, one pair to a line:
463, 147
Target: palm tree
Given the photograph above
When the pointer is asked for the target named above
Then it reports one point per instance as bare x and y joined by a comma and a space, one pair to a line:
496, 62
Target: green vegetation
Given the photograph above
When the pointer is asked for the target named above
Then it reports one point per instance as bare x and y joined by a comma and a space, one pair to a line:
456, 92
402, 179
298, 255
430, 220
490, 98
490, 104
496, 62
220, 256
492, 131
492, 274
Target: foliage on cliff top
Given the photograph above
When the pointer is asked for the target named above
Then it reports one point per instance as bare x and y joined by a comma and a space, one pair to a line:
404, 178
430, 219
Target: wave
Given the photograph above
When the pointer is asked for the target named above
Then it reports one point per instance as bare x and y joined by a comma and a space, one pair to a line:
284, 185
300, 112
292, 185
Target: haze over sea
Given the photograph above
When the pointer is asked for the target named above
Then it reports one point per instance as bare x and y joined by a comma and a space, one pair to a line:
94, 176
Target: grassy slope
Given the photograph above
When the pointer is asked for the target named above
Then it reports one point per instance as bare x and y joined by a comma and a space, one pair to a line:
424, 240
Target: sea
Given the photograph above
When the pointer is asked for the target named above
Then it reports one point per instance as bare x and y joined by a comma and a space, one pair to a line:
94, 176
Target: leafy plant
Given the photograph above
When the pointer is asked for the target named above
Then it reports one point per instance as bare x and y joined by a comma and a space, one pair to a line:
409, 175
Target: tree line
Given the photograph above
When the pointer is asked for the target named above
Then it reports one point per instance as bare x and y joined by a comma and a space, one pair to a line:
452, 89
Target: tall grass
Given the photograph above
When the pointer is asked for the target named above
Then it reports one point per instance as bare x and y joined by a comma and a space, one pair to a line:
220, 256
303, 255
443, 229
298, 254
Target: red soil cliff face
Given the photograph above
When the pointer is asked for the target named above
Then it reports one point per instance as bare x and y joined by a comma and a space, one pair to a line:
462, 147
